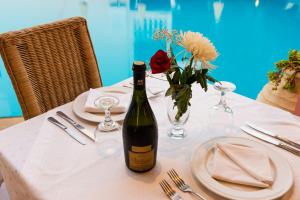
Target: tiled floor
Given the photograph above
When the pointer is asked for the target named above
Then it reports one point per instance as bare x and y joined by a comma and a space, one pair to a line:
7, 122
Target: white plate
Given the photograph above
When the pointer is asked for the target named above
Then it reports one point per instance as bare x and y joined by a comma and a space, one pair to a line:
78, 105
201, 164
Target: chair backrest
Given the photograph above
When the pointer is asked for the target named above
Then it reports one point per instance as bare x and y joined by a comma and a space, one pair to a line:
51, 64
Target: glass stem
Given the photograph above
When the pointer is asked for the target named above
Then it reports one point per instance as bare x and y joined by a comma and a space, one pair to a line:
107, 115
223, 99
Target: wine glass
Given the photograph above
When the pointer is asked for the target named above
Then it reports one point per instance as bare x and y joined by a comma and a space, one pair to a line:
106, 103
221, 116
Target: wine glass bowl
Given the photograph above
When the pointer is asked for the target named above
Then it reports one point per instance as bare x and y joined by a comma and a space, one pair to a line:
106, 103
224, 86
221, 116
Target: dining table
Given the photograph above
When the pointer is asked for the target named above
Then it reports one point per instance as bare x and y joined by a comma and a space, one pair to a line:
37, 163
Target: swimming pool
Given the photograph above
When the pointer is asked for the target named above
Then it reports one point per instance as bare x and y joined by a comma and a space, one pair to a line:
250, 35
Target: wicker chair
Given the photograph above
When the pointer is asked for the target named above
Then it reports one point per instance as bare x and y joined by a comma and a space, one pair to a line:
51, 64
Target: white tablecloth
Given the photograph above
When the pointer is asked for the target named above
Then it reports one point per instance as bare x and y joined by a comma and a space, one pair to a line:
26, 155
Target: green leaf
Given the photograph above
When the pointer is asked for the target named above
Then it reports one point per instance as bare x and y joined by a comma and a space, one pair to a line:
291, 65
173, 61
201, 80
183, 78
204, 71
211, 79
169, 78
169, 91
192, 79
191, 62
176, 76
205, 85
182, 99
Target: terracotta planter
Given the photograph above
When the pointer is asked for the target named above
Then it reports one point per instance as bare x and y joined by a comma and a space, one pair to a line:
281, 98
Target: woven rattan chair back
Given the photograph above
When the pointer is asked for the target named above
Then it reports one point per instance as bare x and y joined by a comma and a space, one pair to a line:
50, 65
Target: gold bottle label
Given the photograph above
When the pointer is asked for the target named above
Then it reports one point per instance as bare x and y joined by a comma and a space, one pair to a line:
141, 158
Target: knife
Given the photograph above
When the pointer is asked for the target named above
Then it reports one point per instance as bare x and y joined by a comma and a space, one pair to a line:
270, 140
269, 133
79, 127
63, 127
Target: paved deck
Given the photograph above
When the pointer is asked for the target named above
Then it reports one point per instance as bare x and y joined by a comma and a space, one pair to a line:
7, 122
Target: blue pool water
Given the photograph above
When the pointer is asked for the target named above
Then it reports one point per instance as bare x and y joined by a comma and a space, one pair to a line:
250, 35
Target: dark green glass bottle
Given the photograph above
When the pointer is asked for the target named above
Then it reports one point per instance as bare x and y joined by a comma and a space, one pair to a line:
140, 128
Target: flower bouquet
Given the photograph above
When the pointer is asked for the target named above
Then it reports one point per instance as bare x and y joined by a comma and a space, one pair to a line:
196, 55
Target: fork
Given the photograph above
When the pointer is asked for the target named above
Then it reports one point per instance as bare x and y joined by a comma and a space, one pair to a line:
169, 190
130, 85
181, 184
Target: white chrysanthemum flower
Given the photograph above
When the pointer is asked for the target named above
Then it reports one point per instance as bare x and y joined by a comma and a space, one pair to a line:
199, 46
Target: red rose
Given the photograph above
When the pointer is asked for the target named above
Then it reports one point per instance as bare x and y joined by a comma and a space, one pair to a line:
160, 62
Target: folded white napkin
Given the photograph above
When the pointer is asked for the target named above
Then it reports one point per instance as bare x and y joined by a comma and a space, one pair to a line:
124, 100
242, 165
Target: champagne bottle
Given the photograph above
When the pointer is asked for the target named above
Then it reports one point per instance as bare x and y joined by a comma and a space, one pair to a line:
140, 127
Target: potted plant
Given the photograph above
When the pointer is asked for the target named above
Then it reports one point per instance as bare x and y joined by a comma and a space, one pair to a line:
284, 86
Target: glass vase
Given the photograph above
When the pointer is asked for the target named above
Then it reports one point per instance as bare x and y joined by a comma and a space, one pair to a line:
177, 130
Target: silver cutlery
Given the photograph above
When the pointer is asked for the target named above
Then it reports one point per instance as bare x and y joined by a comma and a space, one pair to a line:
130, 85
63, 127
79, 127
269, 133
169, 190
179, 182
148, 89
127, 86
270, 140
